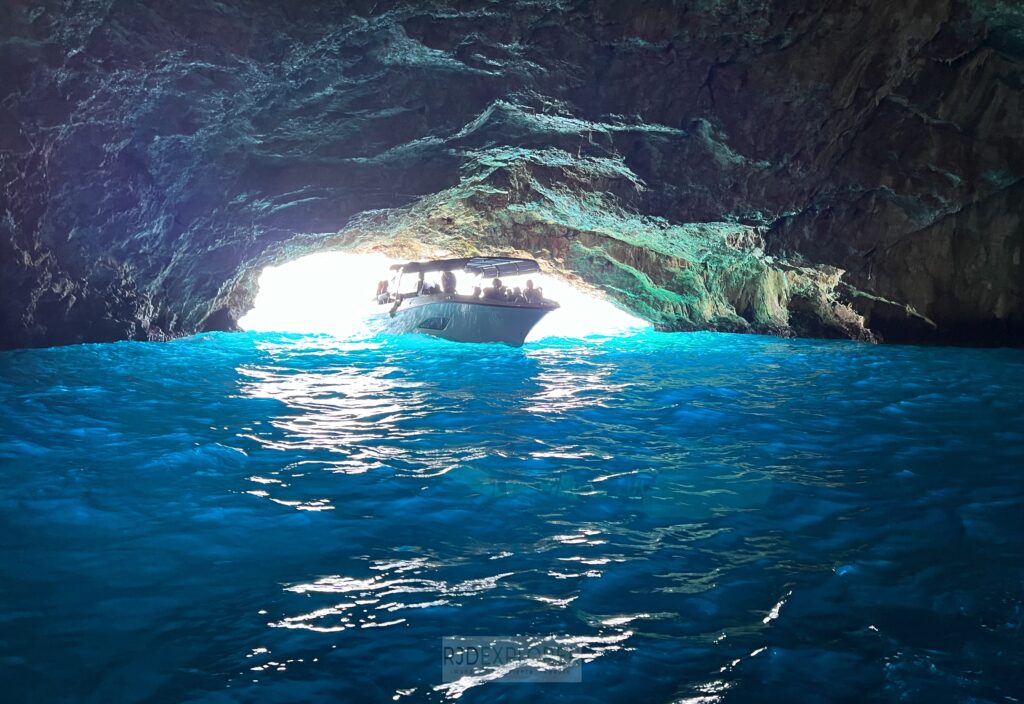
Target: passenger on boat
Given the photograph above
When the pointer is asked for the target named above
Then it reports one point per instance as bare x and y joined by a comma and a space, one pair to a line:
495, 292
448, 282
420, 284
531, 294
476, 292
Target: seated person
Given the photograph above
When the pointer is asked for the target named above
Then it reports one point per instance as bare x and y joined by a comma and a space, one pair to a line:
426, 288
476, 292
495, 292
448, 282
517, 296
531, 294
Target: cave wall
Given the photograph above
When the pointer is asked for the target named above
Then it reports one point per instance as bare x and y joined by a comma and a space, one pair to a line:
840, 169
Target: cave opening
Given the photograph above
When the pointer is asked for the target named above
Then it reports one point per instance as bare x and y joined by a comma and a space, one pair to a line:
332, 293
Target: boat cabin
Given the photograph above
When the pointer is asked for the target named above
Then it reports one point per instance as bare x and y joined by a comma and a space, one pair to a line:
435, 306
447, 276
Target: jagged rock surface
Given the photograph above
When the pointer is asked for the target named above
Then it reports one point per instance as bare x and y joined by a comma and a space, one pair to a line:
785, 167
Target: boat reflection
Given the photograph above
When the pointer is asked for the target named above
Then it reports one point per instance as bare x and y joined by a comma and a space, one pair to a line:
492, 486
499, 421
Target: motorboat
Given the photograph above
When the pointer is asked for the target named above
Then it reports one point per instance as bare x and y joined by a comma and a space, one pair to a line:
414, 303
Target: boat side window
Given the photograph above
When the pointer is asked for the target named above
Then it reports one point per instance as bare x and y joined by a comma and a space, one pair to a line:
404, 287
407, 288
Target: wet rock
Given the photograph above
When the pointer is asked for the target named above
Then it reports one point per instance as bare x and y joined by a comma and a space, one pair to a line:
849, 171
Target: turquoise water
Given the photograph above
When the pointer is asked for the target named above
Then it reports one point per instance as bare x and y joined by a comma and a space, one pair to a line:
710, 518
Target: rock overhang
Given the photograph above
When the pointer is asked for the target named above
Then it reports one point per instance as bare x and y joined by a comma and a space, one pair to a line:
796, 171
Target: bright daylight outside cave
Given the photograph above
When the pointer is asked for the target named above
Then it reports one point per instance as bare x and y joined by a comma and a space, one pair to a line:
511, 350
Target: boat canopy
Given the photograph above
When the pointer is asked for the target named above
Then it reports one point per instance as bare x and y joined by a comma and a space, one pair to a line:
481, 266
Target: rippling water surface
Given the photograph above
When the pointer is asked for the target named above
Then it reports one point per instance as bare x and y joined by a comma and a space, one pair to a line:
707, 517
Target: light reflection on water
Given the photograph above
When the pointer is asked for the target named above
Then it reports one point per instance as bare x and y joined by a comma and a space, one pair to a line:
707, 517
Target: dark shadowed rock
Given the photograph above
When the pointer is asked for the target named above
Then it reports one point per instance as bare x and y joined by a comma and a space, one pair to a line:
854, 170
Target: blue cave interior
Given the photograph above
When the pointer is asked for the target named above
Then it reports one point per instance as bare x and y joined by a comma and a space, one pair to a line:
766, 448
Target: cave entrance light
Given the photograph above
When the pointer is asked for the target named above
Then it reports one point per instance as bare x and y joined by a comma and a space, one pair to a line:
331, 293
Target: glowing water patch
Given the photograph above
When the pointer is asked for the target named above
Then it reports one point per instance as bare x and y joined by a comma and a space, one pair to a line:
332, 292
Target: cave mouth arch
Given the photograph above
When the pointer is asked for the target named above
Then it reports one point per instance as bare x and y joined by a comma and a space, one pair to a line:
331, 293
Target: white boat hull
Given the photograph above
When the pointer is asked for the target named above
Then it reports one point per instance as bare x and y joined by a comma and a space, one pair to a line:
464, 319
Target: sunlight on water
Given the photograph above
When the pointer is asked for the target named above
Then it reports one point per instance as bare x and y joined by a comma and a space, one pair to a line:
331, 293
700, 518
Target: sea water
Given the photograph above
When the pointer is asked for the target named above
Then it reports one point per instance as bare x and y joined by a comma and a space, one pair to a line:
255, 517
